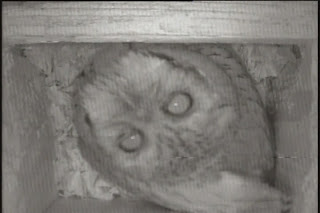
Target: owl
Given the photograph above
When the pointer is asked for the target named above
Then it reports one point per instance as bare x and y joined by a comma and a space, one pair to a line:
174, 127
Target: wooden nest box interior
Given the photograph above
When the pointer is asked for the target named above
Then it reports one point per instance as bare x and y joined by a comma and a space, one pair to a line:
29, 184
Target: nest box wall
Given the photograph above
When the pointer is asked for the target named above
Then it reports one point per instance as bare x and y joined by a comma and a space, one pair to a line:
28, 184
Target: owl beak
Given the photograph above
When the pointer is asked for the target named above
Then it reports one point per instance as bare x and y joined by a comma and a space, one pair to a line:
144, 115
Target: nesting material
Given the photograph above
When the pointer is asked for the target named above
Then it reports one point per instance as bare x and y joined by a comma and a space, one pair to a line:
274, 68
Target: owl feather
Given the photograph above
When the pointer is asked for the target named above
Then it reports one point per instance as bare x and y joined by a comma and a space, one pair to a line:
177, 128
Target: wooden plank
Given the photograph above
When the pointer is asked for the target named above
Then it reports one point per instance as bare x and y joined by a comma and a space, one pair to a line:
310, 185
297, 141
100, 206
226, 21
28, 155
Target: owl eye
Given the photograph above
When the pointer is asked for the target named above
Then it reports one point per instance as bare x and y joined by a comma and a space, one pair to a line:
131, 141
179, 103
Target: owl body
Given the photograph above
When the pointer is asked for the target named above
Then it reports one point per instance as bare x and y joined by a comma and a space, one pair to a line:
176, 128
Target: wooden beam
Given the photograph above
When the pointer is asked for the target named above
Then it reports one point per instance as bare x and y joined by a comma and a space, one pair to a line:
226, 21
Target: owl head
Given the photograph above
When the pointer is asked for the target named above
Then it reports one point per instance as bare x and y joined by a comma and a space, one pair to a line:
154, 113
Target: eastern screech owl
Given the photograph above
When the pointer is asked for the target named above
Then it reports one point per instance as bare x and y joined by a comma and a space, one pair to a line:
177, 128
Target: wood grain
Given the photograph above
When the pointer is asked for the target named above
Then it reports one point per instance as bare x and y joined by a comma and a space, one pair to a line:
310, 184
99, 206
28, 151
254, 21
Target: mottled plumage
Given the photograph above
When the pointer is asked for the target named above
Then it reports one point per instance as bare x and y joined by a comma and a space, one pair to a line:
177, 128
